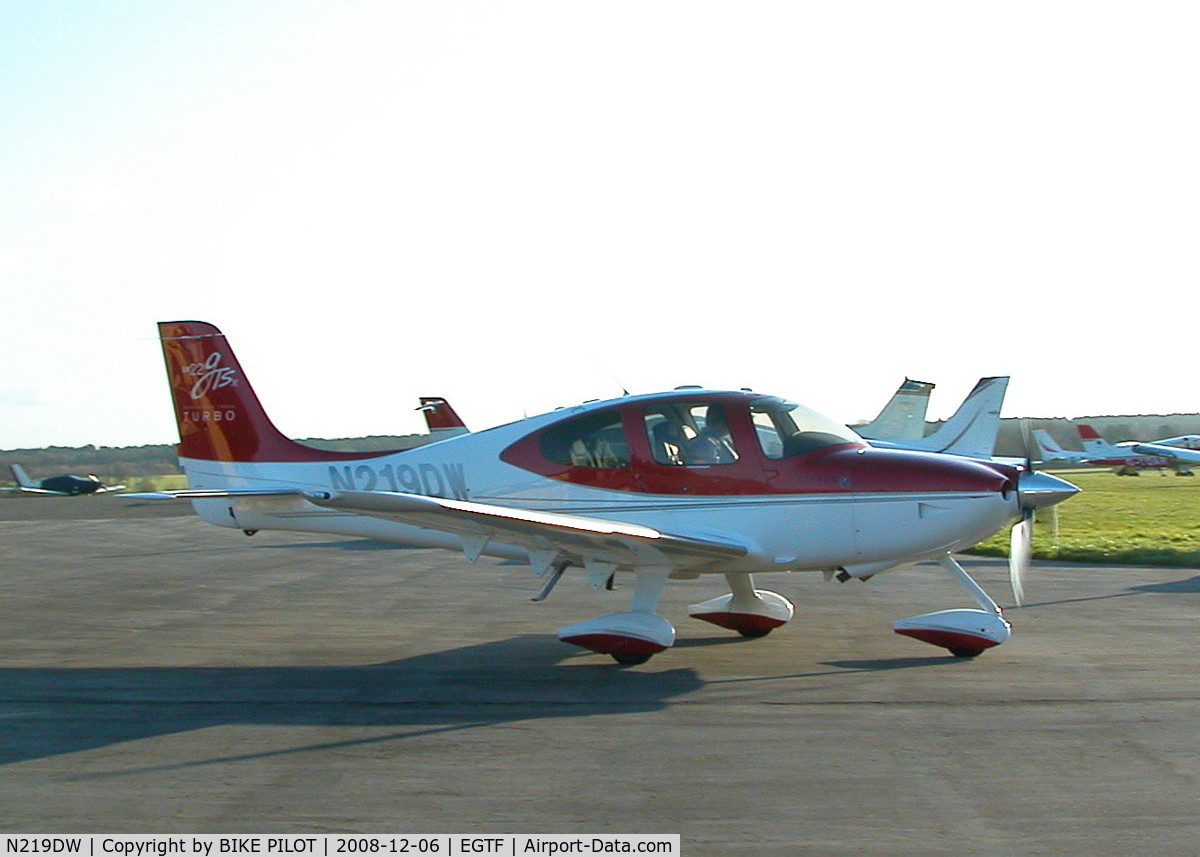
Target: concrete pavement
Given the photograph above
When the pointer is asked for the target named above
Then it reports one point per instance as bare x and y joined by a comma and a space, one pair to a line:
161, 675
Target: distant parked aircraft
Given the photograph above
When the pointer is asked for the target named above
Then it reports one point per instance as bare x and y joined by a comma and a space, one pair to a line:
1126, 458
59, 486
441, 418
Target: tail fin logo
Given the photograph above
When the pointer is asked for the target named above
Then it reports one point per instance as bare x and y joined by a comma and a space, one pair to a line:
209, 376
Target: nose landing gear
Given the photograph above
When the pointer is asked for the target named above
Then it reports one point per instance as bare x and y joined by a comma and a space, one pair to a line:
964, 632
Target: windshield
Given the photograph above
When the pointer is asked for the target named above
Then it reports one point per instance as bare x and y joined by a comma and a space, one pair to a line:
785, 429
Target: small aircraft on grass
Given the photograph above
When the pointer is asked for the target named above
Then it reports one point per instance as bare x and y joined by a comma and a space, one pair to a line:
1126, 458
59, 486
676, 485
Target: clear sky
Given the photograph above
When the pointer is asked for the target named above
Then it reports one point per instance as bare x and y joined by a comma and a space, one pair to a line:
520, 205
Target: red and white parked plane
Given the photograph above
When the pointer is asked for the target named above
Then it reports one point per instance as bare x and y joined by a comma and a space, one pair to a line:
1127, 457
664, 486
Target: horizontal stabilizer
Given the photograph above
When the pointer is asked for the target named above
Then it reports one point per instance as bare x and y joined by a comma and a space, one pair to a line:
903, 417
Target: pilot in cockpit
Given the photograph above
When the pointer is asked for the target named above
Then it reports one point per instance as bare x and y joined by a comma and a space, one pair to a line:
713, 444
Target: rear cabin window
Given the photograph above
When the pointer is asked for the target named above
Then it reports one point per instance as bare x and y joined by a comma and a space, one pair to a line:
690, 434
593, 440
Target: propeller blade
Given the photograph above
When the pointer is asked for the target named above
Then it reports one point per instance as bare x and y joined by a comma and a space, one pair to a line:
1020, 553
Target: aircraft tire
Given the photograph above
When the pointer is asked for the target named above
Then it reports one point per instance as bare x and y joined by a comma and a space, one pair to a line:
755, 633
627, 659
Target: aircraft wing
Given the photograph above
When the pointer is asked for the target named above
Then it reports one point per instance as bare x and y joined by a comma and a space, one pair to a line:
1175, 453
599, 545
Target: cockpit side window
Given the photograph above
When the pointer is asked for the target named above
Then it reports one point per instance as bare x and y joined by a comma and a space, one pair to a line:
594, 440
690, 434
785, 429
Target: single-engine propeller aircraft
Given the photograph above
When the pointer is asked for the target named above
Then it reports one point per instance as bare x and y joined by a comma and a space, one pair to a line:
1126, 458
66, 485
674, 485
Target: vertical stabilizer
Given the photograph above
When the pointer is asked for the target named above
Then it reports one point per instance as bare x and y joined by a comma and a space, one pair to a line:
903, 417
1093, 444
973, 428
21, 476
1049, 449
441, 418
219, 416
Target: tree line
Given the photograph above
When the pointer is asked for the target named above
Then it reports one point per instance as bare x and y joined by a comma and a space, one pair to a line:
126, 463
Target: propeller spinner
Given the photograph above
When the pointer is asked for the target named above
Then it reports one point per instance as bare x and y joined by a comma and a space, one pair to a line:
1034, 491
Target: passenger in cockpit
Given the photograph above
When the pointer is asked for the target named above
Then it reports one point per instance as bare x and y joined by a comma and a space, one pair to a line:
714, 442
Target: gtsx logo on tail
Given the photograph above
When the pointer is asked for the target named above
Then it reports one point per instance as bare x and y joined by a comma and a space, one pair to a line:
678, 485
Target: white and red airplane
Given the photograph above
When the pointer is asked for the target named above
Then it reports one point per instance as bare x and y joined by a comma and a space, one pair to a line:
674, 485
1127, 457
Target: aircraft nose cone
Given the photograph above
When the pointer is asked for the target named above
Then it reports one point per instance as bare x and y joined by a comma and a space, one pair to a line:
1038, 490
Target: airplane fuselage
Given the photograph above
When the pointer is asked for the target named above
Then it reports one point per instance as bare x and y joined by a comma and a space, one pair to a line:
673, 484
70, 485
841, 505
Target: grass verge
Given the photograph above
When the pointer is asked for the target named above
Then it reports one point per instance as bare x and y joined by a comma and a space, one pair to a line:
1150, 519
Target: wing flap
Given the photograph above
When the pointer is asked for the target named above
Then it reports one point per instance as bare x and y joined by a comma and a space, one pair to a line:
583, 539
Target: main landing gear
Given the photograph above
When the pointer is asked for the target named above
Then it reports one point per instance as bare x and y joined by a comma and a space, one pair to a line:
634, 636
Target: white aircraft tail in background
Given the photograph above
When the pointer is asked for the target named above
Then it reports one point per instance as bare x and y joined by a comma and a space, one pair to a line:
971, 431
1093, 444
1049, 450
903, 417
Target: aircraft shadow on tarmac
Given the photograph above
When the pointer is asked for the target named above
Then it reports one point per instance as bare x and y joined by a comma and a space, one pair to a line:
48, 712
1183, 586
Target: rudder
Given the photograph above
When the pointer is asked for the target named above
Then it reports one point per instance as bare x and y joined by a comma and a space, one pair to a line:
218, 414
